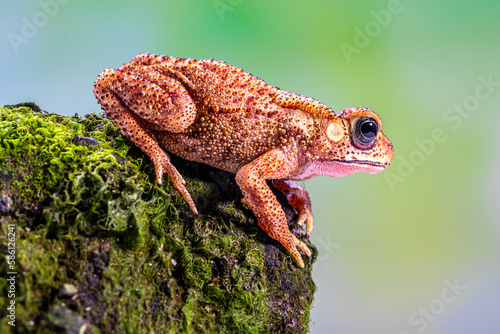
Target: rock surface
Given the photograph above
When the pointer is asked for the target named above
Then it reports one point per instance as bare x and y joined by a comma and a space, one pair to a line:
100, 248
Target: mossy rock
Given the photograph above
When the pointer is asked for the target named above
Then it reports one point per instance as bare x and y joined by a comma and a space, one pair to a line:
100, 248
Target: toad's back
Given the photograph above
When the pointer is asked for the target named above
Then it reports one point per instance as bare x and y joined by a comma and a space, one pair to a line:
213, 85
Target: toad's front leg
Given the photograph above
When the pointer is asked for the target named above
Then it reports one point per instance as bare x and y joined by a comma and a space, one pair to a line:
134, 104
252, 180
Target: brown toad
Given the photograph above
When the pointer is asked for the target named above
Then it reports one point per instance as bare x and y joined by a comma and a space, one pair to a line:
211, 112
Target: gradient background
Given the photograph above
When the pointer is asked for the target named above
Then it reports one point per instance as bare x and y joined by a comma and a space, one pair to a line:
387, 242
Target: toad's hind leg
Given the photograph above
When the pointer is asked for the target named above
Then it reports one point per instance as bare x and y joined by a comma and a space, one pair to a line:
159, 100
118, 94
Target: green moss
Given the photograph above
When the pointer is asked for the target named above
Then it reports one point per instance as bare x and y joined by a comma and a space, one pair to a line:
87, 211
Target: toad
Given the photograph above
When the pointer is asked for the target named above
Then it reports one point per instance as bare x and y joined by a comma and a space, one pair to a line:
210, 112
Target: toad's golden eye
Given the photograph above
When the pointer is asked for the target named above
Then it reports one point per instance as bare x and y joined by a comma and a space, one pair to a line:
364, 132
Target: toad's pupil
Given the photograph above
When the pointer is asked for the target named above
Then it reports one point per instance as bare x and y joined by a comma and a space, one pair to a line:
369, 129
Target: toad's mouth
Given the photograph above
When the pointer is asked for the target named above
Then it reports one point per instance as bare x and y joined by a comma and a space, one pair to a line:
366, 163
365, 166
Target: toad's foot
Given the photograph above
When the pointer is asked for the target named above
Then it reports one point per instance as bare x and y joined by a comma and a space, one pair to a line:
296, 243
298, 198
162, 164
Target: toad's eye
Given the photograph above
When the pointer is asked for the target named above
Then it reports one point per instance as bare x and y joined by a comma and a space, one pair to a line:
364, 130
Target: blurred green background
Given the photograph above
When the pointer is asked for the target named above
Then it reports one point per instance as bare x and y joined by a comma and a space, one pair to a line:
415, 249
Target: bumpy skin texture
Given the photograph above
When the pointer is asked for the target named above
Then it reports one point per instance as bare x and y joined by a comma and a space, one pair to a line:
214, 113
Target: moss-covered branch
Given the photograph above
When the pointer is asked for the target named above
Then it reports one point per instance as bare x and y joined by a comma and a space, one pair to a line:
101, 248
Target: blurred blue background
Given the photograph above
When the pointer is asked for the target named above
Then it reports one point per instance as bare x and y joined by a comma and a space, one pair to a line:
415, 249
